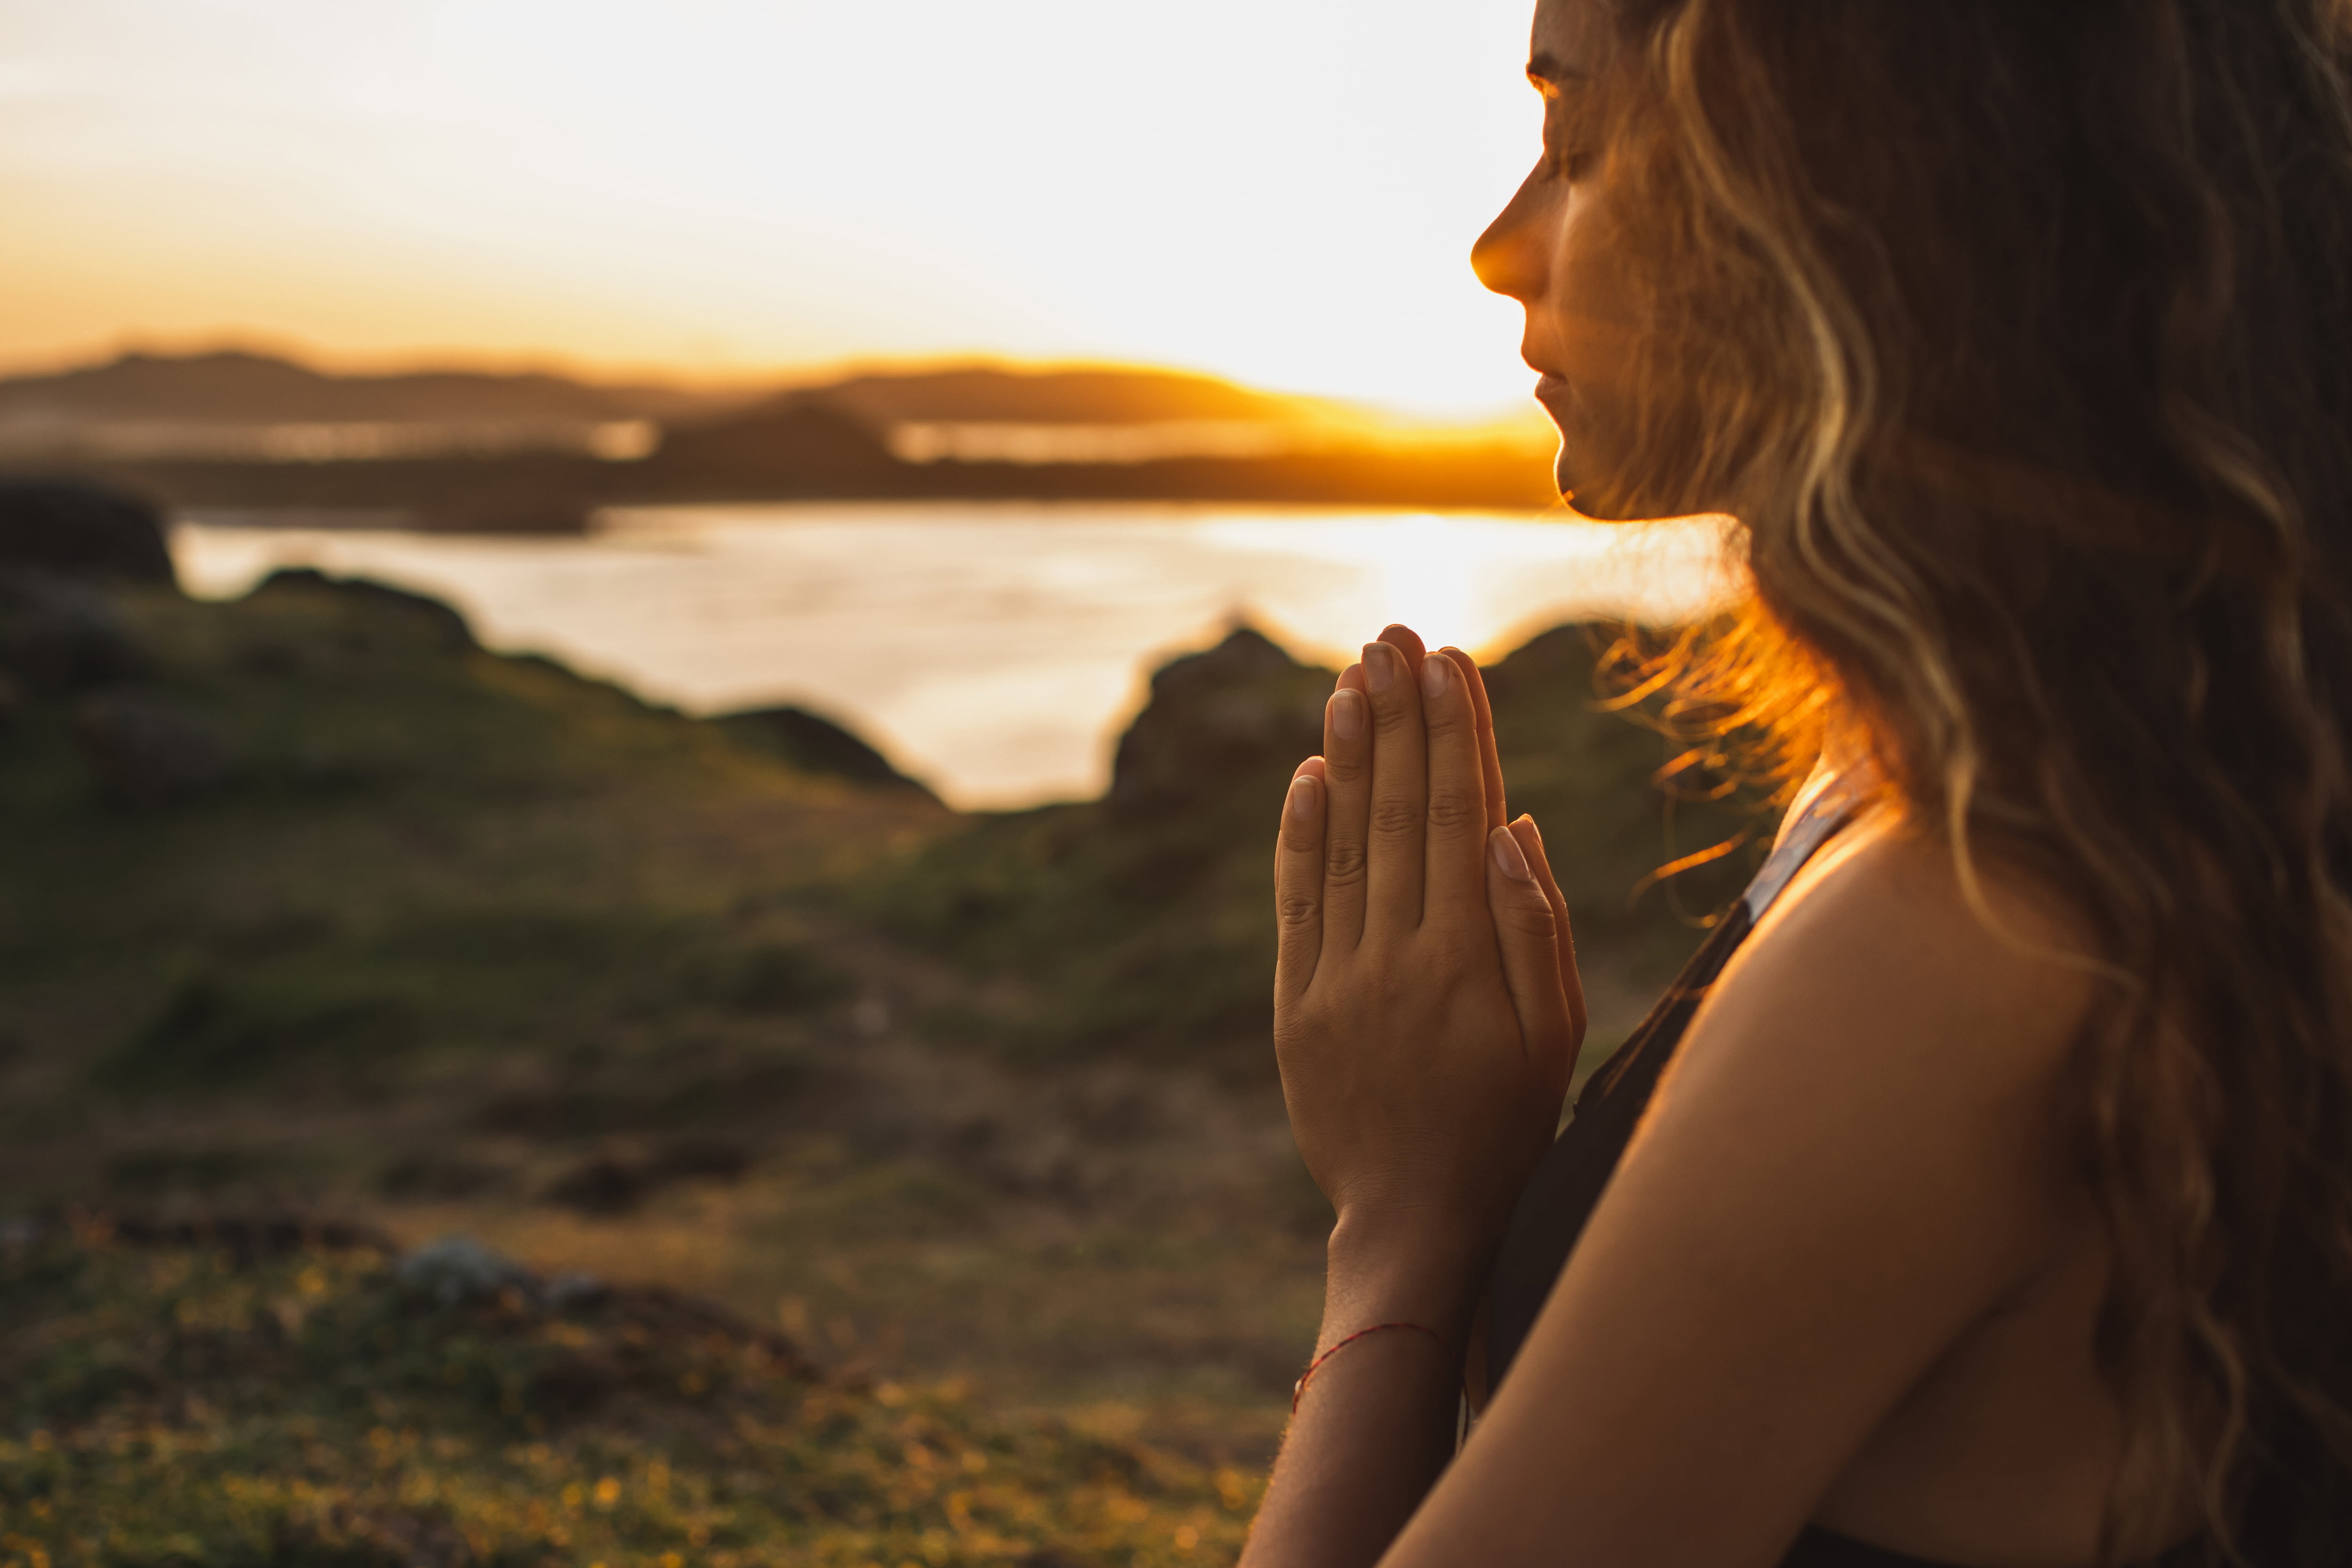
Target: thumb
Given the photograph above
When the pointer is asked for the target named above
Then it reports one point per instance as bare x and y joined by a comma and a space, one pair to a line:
1528, 933
1531, 845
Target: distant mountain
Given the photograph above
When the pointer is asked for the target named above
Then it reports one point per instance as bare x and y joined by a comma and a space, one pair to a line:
792, 440
464, 450
249, 389
238, 388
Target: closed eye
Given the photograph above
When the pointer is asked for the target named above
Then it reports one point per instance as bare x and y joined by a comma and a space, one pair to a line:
1568, 135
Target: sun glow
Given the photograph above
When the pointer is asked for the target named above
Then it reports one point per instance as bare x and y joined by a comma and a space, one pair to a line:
1282, 191
1485, 582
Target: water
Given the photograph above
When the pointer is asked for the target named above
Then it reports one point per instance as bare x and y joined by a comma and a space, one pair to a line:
995, 650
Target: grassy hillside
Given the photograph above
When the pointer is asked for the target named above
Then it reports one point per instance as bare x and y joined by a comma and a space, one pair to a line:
310, 907
418, 860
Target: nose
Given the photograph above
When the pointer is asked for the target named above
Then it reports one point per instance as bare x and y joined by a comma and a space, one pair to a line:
1508, 258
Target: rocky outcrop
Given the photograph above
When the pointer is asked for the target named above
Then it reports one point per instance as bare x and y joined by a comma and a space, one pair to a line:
814, 744
63, 548
443, 624
60, 634
1219, 725
81, 530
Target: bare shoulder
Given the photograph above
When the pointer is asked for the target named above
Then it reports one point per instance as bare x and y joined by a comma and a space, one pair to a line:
1883, 959
1859, 1155
1893, 1036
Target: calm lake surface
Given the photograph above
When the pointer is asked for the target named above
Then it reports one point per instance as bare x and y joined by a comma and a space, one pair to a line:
993, 649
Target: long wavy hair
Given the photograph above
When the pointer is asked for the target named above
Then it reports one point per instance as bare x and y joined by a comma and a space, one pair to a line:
2018, 334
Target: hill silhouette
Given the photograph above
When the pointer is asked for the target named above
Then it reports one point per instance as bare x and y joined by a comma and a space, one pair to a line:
464, 450
237, 387
1105, 396
234, 386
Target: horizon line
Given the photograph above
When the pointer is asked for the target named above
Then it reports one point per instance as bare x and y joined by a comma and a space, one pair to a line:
556, 364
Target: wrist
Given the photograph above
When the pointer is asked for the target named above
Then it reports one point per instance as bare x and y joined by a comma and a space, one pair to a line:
1403, 1269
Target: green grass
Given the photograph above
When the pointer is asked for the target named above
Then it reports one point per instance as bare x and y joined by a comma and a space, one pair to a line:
178, 1406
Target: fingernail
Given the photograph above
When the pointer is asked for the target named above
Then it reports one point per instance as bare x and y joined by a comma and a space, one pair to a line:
1347, 715
1434, 672
1304, 796
1507, 858
1341, 684
1379, 666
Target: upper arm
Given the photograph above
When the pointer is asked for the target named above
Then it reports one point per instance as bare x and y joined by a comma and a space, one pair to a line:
1859, 1153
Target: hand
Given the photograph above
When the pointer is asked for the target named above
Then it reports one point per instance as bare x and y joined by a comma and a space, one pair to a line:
1427, 1012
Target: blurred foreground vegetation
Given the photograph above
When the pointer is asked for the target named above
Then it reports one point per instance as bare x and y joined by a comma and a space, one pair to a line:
313, 909
194, 1403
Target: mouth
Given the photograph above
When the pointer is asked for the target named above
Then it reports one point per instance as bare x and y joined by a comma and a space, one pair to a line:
1553, 393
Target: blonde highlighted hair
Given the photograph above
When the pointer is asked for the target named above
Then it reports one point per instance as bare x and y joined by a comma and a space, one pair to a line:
2018, 334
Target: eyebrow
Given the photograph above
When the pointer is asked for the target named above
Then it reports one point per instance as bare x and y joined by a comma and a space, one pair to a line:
1545, 67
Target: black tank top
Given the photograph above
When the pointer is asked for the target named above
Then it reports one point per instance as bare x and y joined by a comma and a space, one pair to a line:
1565, 1187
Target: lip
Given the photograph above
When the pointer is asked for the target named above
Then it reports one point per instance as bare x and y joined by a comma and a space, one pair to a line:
1552, 392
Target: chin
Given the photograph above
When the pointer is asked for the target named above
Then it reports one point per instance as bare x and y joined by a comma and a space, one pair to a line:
1587, 494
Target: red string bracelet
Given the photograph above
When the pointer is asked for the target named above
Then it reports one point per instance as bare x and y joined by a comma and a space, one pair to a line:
1299, 1389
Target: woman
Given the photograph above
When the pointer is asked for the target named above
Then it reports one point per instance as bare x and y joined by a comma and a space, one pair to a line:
1984, 1197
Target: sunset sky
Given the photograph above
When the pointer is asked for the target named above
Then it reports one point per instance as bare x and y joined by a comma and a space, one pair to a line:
1282, 191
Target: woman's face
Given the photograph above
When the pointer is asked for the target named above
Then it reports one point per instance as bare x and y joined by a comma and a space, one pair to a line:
1558, 251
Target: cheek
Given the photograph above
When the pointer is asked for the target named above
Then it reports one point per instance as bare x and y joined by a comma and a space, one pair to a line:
1592, 323
1592, 303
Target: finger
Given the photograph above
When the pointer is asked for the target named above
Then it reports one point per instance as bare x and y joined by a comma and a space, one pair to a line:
1490, 757
1348, 806
1455, 838
1400, 793
1406, 641
1531, 845
1527, 931
1298, 886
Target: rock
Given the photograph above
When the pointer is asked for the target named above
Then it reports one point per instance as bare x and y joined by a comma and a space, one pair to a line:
570, 1292
58, 634
1216, 723
147, 750
814, 744
455, 1269
440, 622
82, 530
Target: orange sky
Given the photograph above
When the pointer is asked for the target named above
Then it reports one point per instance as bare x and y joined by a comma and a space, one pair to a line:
1283, 191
